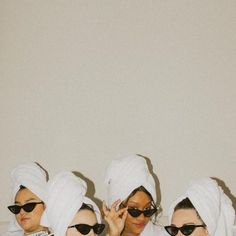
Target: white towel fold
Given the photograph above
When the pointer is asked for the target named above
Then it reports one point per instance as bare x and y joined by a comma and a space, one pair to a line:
66, 194
153, 230
126, 174
34, 178
213, 206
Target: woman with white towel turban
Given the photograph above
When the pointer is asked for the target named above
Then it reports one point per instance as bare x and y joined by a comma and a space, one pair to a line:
68, 211
131, 198
28, 194
203, 210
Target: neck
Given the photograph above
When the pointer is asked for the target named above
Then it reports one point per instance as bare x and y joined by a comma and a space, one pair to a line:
129, 234
40, 232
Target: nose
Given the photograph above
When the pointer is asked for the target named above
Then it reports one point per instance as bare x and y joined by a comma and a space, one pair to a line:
179, 233
22, 211
141, 218
91, 233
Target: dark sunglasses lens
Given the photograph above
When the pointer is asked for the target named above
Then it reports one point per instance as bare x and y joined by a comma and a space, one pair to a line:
134, 212
172, 230
29, 206
98, 228
187, 229
14, 209
149, 212
83, 228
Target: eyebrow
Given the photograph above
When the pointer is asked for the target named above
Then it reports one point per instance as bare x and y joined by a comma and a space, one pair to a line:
136, 203
187, 223
28, 200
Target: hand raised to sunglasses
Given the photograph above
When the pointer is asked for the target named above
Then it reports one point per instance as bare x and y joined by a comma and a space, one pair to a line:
115, 217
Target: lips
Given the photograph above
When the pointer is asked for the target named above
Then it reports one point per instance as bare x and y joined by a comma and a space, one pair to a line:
24, 219
140, 225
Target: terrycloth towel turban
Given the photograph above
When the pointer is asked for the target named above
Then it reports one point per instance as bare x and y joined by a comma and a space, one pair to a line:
213, 206
66, 194
34, 178
126, 174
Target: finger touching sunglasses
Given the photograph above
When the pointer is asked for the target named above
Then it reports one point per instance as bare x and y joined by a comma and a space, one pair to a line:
134, 212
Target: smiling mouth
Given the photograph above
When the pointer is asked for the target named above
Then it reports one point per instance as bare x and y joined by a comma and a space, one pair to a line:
140, 226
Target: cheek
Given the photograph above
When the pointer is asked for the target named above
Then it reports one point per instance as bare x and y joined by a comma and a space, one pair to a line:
204, 232
72, 232
130, 220
18, 217
37, 213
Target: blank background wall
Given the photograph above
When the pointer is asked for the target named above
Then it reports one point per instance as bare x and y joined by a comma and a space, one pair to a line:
82, 82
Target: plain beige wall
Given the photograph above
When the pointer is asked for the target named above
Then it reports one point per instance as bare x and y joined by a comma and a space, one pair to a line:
82, 82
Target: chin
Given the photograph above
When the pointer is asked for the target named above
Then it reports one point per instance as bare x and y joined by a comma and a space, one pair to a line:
138, 230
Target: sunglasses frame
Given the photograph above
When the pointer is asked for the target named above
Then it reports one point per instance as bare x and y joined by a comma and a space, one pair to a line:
152, 210
15, 209
97, 228
182, 229
134, 212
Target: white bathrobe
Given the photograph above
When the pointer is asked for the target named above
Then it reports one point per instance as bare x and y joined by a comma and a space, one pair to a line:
153, 230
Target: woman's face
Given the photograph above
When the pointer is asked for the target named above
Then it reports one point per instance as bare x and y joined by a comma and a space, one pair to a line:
83, 216
29, 221
188, 217
135, 225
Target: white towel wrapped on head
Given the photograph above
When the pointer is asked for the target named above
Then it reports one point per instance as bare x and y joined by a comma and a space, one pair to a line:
66, 194
212, 204
126, 174
33, 177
